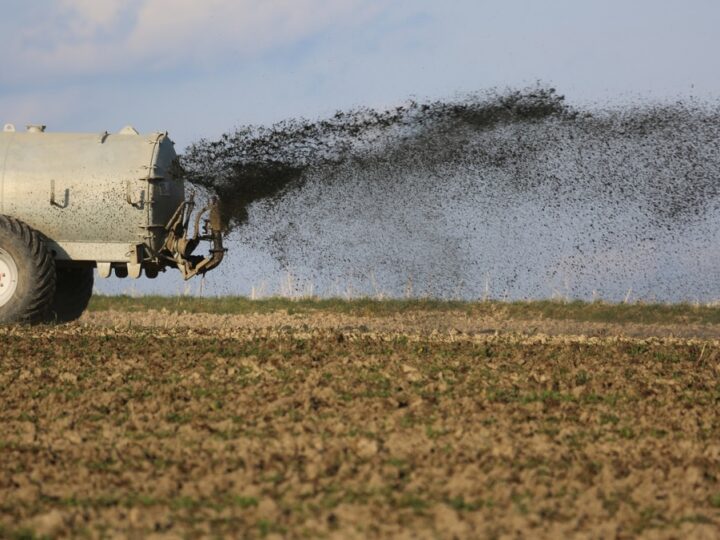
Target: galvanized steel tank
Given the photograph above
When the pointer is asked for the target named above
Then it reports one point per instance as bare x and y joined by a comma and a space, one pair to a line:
71, 203
96, 197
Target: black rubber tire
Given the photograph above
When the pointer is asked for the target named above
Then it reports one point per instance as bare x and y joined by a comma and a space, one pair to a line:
36, 273
72, 295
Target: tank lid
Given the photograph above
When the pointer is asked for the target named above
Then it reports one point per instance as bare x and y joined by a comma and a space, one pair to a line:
9, 128
128, 130
36, 128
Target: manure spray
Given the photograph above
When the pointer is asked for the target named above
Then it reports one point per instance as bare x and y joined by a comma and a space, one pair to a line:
506, 195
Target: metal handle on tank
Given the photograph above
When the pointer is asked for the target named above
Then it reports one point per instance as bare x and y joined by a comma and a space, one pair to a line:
53, 201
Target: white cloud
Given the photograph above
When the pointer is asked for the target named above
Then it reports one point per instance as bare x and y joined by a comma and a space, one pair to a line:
93, 14
111, 36
241, 26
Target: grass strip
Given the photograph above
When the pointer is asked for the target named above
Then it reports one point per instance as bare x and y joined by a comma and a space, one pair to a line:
639, 313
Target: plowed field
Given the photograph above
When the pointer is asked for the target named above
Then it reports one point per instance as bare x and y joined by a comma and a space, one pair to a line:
423, 424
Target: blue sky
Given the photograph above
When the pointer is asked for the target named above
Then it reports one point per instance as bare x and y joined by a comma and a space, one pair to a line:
198, 68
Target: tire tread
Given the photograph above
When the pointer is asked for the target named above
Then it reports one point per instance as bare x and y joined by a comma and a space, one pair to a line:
36, 306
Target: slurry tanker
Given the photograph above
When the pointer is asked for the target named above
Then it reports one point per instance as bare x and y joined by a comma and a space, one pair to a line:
73, 203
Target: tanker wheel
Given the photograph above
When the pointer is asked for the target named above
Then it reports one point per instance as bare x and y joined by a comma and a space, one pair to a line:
27, 273
72, 295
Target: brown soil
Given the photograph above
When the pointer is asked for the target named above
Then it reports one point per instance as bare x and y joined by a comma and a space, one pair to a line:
416, 425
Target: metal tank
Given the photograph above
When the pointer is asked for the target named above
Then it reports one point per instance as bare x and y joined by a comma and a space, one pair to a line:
106, 201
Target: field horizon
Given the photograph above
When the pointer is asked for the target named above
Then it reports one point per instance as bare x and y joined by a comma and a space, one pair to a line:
578, 310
